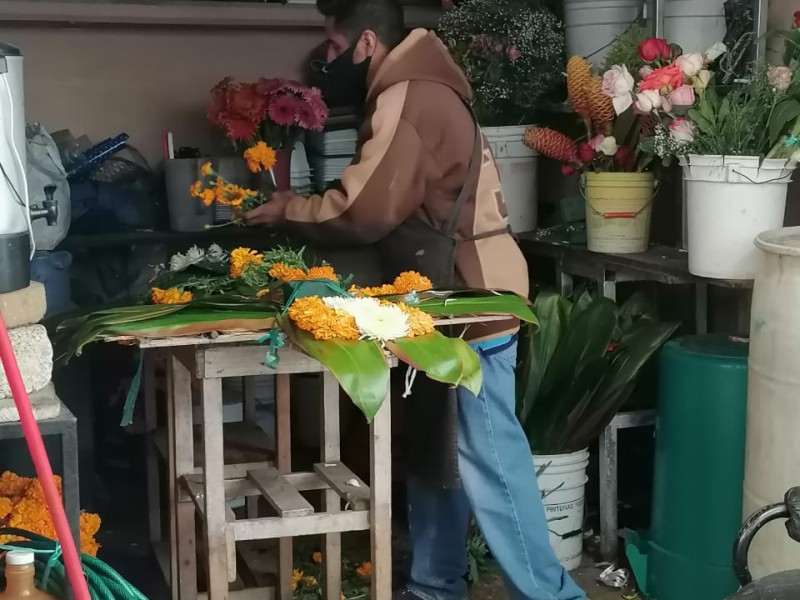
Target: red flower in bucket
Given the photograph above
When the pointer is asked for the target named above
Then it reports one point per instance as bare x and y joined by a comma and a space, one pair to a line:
654, 48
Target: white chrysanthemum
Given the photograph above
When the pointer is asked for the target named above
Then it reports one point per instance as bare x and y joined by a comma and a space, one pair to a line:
374, 320
179, 261
215, 252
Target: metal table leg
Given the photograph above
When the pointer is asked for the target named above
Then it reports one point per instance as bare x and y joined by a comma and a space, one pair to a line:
609, 541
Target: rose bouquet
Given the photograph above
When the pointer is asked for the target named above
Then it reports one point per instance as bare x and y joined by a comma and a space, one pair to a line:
509, 52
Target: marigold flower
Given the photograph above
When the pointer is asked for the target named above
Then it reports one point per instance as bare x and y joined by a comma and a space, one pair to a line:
317, 557
281, 272
241, 258
323, 272
386, 289
206, 170
170, 296
196, 189
419, 322
297, 577
260, 158
311, 314
365, 569
411, 281
6, 505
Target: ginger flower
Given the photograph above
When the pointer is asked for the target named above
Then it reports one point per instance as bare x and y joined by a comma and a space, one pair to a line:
241, 258
323, 272
411, 281
170, 296
260, 158
281, 272
311, 314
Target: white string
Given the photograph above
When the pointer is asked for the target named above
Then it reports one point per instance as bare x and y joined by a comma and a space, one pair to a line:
411, 375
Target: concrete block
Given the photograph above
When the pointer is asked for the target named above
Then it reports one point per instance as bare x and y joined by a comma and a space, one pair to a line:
35, 358
24, 307
45, 405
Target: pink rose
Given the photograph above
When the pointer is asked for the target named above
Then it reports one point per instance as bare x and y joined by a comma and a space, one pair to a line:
645, 71
691, 64
682, 130
780, 77
586, 152
682, 96
513, 53
647, 101
618, 85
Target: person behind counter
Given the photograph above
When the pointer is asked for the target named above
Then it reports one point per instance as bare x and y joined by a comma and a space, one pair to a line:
424, 188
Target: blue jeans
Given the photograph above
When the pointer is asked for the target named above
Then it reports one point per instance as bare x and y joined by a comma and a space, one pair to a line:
498, 485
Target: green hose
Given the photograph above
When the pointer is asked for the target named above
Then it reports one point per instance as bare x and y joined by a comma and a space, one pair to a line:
51, 577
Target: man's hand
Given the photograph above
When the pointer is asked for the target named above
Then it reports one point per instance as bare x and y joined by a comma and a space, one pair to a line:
273, 212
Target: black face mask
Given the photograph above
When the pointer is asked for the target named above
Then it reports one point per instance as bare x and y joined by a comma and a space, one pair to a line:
343, 83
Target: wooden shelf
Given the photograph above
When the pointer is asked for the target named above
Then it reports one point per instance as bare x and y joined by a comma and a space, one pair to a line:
178, 14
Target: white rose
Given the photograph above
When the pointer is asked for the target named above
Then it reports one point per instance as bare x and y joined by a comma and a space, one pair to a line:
618, 85
691, 64
647, 101
608, 146
701, 80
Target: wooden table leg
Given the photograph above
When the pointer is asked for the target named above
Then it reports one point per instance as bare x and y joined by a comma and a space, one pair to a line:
180, 448
214, 490
380, 511
151, 424
609, 533
283, 462
249, 414
330, 453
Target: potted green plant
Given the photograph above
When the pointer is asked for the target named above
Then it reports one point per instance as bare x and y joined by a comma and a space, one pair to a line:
512, 54
575, 373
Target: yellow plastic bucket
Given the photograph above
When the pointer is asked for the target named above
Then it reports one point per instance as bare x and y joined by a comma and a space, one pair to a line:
618, 209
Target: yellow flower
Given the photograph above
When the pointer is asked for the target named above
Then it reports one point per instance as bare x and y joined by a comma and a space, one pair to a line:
259, 158
297, 577
382, 290
241, 258
206, 169
411, 281
196, 189
419, 322
281, 272
365, 570
323, 272
309, 580
317, 557
208, 196
311, 314
170, 296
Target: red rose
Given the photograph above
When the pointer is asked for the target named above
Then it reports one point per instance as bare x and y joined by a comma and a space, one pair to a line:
624, 158
797, 18
654, 48
586, 152
670, 77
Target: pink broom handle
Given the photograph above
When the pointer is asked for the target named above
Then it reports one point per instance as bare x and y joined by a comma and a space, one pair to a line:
44, 471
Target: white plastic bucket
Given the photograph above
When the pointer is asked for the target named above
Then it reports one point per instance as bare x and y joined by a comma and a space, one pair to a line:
772, 457
695, 25
591, 25
730, 200
562, 481
517, 165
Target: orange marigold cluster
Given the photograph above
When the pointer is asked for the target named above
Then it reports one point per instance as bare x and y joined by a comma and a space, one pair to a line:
406, 282
23, 506
241, 258
220, 191
170, 296
579, 73
551, 143
260, 157
311, 314
281, 272
419, 322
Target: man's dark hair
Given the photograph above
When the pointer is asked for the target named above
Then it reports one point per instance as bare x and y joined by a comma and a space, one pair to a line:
351, 17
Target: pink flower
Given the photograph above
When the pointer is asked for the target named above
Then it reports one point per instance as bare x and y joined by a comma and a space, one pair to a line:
283, 110
618, 85
645, 71
780, 77
691, 64
682, 96
513, 53
670, 77
586, 152
682, 130
647, 101
567, 169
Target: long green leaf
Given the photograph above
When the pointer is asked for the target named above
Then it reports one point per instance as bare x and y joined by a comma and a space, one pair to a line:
207, 320
784, 112
358, 365
500, 304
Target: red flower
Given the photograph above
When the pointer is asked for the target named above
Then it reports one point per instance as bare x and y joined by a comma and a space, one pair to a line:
307, 118
612, 346
586, 152
265, 86
624, 158
241, 130
567, 169
654, 48
797, 18
283, 110
670, 77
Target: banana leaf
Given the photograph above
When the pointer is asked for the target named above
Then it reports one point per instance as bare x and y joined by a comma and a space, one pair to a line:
454, 305
444, 359
359, 366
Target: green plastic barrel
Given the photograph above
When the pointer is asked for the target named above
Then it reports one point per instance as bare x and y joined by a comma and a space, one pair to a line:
699, 468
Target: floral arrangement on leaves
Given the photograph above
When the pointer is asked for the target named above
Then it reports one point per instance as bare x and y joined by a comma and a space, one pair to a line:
620, 110
23, 506
274, 111
510, 52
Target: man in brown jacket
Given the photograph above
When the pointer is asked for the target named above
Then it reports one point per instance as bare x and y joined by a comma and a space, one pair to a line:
425, 190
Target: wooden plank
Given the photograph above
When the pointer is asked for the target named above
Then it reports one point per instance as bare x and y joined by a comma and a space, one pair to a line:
267, 528
345, 484
286, 500
241, 361
330, 444
283, 458
380, 513
249, 390
151, 424
239, 486
217, 567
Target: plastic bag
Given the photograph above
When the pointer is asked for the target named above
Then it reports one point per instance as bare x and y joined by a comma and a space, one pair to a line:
44, 168
792, 500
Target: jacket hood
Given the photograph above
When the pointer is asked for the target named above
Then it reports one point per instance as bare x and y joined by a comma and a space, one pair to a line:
420, 57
